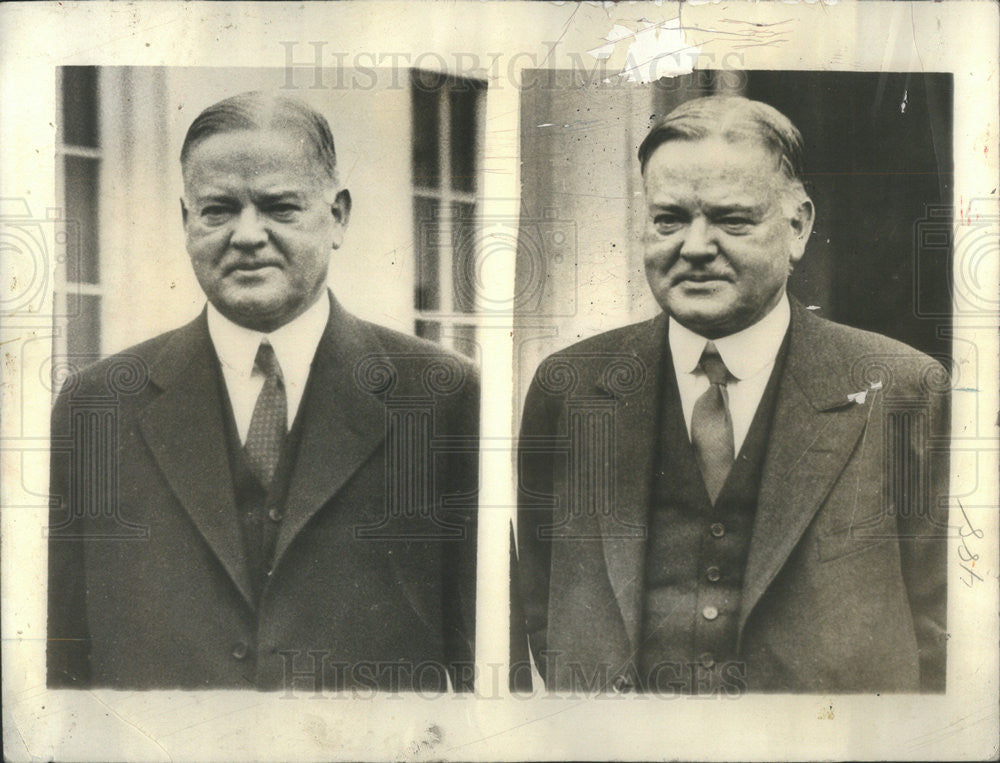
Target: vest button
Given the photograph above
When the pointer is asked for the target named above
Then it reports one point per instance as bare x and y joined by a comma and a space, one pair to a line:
275, 515
707, 661
714, 574
718, 529
241, 650
710, 613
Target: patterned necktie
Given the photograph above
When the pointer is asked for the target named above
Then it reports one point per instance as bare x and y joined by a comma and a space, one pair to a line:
269, 422
711, 424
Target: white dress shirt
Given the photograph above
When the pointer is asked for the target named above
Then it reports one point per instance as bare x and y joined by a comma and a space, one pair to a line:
748, 354
294, 345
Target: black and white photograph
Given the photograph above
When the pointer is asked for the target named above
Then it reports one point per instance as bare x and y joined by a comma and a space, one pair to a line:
747, 491
499, 381
260, 495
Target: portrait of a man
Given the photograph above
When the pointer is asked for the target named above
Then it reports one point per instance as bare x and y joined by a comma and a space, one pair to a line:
737, 494
252, 499
500, 381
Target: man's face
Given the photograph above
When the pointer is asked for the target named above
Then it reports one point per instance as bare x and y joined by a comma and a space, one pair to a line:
721, 232
261, 218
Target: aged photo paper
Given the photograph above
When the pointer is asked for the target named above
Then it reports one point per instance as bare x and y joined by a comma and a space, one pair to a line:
500, 381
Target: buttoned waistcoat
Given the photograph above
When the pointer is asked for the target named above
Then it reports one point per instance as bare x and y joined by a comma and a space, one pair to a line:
844, 588
372, 578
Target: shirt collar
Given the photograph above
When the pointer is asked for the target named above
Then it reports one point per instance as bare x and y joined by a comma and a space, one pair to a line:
294, 343
745, 353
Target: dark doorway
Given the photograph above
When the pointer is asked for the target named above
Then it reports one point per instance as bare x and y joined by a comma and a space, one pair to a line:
878, 157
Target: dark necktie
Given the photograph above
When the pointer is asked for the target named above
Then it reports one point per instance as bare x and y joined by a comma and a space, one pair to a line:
711, 424
267, 427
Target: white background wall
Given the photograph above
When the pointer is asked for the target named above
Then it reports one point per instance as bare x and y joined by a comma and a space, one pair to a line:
579, 144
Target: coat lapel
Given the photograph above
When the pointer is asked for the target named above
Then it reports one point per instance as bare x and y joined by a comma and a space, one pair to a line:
815, 429
624, 529
342, 423
184, 428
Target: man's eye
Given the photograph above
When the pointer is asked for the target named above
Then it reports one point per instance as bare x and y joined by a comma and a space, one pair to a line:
215, 213
737, 224
666, 223
283, 211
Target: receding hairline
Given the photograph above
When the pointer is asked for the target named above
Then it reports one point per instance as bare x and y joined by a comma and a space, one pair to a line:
731, 119
260, 111
250, 132
730, 139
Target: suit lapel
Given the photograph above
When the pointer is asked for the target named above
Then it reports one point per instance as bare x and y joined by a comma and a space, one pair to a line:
185, 431
341, 423
815, 429
624, 530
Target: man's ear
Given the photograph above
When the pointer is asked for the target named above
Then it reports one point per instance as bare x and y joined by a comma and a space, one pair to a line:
341, 211
184, 211
802, 225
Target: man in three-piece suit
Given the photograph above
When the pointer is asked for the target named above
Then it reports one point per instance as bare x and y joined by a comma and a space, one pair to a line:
278, 494
737, 494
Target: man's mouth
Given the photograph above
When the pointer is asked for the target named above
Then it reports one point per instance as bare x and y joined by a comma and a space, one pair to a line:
245, 267
700, 278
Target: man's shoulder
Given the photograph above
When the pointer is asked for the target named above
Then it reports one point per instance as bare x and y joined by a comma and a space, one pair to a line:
853, 343
864, 357
397, 341
619, 361
126, 371
615, 342
414, 357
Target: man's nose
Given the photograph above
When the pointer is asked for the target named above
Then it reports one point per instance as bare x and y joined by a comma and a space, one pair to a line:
250, 232
699, 241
